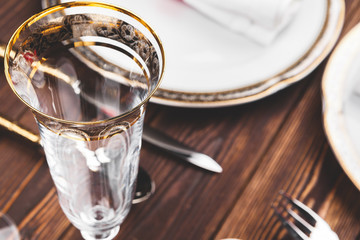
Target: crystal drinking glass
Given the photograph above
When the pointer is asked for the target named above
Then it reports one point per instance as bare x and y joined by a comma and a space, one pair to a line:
87, 70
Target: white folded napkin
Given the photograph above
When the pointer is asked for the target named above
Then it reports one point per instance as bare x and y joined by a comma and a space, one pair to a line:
259, 20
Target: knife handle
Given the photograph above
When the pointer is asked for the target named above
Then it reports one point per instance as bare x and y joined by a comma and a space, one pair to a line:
17, 129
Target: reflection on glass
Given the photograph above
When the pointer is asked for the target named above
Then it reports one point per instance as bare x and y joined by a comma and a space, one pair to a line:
87, 70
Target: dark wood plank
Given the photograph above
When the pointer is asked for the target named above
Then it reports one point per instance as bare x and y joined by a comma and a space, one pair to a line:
317, 179
14, 13
300, 162
272, 144
17, 166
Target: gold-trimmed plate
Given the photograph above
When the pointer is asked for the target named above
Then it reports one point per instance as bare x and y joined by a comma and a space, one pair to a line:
210, 66
341, 103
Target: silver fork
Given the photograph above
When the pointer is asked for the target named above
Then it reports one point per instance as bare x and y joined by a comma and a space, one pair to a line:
309, 227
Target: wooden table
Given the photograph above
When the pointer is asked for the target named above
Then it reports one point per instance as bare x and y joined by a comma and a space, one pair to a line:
272, 144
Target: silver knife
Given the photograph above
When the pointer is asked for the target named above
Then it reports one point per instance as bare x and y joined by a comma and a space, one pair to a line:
159, 139
150, 135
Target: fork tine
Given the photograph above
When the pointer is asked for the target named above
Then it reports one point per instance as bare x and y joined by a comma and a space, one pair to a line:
291, 227
308, 212
318, 229
300, 220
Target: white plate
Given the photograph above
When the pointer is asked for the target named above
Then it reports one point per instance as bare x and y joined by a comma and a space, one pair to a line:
341, 98
210, 66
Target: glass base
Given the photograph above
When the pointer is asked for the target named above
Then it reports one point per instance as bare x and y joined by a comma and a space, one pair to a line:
105, 235
8, 228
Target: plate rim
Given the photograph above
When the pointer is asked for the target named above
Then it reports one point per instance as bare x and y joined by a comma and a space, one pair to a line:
328, 108
267, 87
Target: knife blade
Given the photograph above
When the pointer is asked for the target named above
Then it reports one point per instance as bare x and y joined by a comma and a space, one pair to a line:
163, 141
150, 135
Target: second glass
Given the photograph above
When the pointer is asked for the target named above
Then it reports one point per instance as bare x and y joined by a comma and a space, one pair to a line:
87, 71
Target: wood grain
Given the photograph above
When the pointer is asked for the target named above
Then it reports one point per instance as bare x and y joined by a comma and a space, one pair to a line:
271, 144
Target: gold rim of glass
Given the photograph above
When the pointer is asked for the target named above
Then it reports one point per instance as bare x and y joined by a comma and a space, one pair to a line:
63, 6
